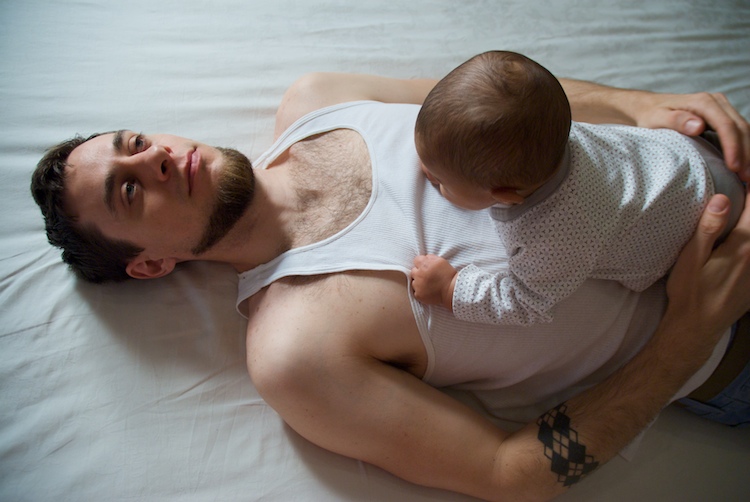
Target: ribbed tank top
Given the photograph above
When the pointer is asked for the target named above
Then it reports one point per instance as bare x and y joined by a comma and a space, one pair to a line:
516, 372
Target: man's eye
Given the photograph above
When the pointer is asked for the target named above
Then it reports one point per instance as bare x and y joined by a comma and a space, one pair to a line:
130, 189
139, 143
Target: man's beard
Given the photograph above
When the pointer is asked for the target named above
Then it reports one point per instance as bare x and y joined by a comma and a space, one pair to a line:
233, 196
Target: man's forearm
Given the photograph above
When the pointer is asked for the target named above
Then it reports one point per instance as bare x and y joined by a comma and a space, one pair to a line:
575, 438
608, 416
707, 292
597, 104
688, 114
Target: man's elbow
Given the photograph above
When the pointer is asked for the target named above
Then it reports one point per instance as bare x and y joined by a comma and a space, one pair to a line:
525, 475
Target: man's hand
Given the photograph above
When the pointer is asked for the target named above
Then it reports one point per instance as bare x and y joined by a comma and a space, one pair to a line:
710, 289
433, 280
689, 114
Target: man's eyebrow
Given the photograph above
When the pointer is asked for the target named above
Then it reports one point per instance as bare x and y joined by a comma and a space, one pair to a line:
117, 140
109, 181
109, 187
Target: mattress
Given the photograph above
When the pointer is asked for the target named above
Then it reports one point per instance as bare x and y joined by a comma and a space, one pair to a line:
139, 391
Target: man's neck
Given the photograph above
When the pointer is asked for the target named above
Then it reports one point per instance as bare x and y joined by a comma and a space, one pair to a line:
261, 233
312, 191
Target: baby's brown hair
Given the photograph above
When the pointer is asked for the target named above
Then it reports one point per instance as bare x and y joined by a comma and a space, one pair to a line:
499, 120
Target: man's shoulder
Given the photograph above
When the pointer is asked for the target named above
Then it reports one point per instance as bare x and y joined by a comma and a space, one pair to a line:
336, 292
368, 312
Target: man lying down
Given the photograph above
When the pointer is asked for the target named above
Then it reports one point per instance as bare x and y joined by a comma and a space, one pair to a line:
323, 231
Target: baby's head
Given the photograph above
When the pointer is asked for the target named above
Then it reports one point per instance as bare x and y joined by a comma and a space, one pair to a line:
498, 124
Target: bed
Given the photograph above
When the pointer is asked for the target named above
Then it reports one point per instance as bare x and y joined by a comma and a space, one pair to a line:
139, 391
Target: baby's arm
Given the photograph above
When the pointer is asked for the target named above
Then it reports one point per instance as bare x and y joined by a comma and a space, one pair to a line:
500, 298
509, 300
433, 280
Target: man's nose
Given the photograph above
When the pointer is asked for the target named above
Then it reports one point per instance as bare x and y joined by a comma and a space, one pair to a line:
160, 162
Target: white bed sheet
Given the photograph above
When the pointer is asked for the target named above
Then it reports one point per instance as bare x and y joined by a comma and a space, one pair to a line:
139, 391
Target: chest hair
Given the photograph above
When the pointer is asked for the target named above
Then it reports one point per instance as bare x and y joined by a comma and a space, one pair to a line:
333, 182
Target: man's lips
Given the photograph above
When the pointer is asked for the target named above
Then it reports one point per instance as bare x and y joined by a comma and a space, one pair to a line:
194, 162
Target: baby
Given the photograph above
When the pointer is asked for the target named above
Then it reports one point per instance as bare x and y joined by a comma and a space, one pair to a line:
570, 201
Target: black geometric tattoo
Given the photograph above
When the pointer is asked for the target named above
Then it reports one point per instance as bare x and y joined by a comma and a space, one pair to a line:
561, 446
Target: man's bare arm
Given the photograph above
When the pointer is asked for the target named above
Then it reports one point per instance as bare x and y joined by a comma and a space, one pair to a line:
708, 290
334, 392
686, 113
318, 90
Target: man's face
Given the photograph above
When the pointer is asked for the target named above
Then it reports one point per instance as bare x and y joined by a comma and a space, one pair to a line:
172, 196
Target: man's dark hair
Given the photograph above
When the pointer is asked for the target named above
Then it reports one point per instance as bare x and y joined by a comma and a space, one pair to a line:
85, 249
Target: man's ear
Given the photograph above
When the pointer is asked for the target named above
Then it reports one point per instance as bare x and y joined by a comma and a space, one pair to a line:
143, 268
507, 196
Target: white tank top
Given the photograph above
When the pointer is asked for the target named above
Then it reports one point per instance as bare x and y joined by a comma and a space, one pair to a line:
516, 372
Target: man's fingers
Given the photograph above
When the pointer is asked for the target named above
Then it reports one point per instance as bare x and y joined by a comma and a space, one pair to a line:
714, 218
691, 114
744, 221
688, 123
735, 132
698, 249
732, 128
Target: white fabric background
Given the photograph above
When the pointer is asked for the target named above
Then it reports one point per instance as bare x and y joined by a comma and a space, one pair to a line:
139, 392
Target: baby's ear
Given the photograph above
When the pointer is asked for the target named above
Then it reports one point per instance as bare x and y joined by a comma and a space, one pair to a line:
143, 268
507, 196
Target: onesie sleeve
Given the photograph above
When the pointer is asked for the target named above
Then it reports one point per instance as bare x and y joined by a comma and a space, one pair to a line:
548, 262
500, 298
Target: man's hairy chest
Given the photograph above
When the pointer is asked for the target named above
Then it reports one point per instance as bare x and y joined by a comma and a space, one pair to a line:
333, 182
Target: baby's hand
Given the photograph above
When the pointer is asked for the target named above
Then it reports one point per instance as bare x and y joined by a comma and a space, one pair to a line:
433, 280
